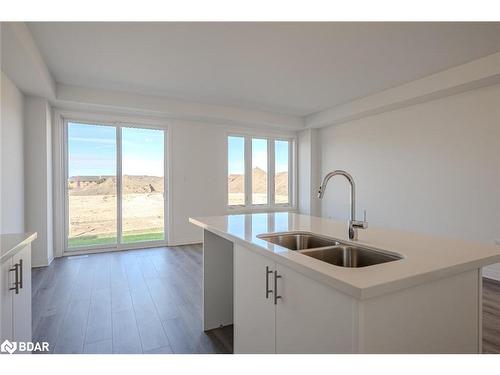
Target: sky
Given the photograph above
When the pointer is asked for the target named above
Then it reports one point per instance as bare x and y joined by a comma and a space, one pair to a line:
236, 152
92, 150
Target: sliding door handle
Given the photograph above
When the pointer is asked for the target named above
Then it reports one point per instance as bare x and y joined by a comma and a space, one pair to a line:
268, 291
276, 296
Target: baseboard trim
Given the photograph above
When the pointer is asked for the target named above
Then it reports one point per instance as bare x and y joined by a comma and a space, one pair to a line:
185, 243
143, 246
184, 240
42, 264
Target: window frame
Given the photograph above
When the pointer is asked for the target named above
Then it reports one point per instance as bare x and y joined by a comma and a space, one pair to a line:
248, 206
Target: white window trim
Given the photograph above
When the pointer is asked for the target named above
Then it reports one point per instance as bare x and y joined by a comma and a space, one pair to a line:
292, 173
61, 117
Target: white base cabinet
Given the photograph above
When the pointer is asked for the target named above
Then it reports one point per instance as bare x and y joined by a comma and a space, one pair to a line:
278, 310
254, 309
442, 316
312, 317
16, 297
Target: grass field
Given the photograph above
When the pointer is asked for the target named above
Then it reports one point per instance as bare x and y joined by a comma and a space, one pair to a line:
111, 239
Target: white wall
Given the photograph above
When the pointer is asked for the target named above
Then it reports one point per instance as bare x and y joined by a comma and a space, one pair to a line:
12, 181
431, 168
198, 176
308, 149
38, 176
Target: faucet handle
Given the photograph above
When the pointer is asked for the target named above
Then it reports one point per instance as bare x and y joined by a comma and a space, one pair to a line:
360, 224
365, 223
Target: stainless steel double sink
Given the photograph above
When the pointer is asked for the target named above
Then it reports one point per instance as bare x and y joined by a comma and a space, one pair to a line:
330, 250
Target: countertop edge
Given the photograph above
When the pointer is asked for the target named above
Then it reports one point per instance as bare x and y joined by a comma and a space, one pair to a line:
19, 245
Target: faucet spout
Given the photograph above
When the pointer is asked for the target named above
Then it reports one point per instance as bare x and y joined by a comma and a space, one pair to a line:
338, 172
353, 223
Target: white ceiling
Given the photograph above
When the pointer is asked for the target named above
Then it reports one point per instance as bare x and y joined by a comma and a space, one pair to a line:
291, 68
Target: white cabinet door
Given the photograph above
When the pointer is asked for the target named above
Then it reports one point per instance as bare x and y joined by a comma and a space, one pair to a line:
254, 314
22, 301
312, 317
6, 301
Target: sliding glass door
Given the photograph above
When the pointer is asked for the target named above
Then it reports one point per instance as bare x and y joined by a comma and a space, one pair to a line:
142, 185
115, 186
92, 198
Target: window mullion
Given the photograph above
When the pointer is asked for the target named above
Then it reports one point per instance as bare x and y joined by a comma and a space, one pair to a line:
291, 173
119, 224
248, 171
271, 173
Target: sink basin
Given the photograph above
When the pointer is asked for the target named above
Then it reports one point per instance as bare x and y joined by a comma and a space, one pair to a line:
330, 250
298, 240
351, 256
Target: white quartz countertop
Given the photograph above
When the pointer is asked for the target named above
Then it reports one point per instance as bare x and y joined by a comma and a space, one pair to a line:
10, 244
425, 258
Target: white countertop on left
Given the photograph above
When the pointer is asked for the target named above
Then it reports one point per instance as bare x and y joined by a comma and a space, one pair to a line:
11, 243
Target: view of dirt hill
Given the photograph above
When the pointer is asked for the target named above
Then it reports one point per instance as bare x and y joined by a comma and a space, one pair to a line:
259, 182
106, 185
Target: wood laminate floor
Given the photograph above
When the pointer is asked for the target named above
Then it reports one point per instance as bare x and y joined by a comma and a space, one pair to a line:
138, 301
149, 301
491, 316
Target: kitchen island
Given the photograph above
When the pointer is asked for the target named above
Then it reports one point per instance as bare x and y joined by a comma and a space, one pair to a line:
428, 300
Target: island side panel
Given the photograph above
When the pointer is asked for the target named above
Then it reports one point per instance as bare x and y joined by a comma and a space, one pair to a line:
217, 281
442, 316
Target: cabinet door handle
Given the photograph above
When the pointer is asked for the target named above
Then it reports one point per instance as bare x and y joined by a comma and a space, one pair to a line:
21, 273
276, 296
16, 283
268, 291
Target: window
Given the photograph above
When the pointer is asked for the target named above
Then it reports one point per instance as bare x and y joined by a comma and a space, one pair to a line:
236, 171
281, 172
259, 172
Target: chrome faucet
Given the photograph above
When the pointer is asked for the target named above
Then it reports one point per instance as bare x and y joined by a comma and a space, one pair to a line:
354, 224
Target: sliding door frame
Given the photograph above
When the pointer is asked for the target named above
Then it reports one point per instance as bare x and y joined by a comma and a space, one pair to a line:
62, 118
